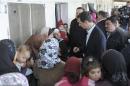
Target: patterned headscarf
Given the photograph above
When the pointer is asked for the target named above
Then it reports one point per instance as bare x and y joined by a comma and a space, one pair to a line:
11, 47
48, 54
13, 79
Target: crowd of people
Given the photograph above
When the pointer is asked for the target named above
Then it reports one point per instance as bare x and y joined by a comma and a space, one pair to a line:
94, 52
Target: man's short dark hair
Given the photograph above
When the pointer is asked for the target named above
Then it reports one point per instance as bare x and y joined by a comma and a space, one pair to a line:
128, 1
81, 8
85, 16
113, 19
103, 14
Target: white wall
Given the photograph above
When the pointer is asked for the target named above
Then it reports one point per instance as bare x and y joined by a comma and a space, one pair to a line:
25, 19
119, 4
50, 9
105, 5
64, 12
72, 10
72, 5
4, 27
50, 14
4, 24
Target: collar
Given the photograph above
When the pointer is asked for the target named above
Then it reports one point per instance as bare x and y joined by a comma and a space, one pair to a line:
18, 65
91, 29
101, 20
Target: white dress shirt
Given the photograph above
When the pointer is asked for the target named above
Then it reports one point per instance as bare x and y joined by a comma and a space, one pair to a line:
89, 33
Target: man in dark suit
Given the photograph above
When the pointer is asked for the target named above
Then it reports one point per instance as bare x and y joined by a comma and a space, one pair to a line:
76, 35
101, 16
117, 38
95, 39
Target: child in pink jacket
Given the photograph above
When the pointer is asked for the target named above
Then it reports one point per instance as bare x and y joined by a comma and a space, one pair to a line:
91, 69
72, 73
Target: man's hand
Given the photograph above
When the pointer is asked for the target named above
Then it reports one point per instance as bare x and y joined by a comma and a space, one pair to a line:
76, 49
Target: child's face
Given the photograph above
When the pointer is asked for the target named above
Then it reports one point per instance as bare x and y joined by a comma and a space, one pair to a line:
23, 56
95, 74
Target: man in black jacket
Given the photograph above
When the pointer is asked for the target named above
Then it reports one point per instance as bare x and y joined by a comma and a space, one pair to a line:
116, 38
76, 35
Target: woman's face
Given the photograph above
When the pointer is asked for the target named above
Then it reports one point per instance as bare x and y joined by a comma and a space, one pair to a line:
95, 74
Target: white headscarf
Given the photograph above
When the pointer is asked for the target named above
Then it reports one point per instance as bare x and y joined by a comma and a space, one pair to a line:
13, 79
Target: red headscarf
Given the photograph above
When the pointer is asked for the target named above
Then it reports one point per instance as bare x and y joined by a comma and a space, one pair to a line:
73, 65
60, 22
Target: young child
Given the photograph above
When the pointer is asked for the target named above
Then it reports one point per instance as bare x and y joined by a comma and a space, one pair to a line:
63, 32
21, 57
72, 73
91, 70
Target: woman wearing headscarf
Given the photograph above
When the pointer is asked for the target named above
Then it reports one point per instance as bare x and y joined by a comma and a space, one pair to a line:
10, 46
115, 68
126, 53
7, 53
49, 68
13, 79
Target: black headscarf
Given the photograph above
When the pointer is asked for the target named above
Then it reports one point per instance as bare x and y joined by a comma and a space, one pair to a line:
51, 30
6, 63
126, 53
115, 67
10, 46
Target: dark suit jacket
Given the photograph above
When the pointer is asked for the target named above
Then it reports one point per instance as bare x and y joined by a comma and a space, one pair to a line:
117, 40
101, 25
96, 44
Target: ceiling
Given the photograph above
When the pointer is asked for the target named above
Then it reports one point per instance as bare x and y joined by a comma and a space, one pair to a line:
121, 0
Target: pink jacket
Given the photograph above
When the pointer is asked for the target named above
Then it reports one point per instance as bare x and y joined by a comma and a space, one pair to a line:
84, 81
64, 82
